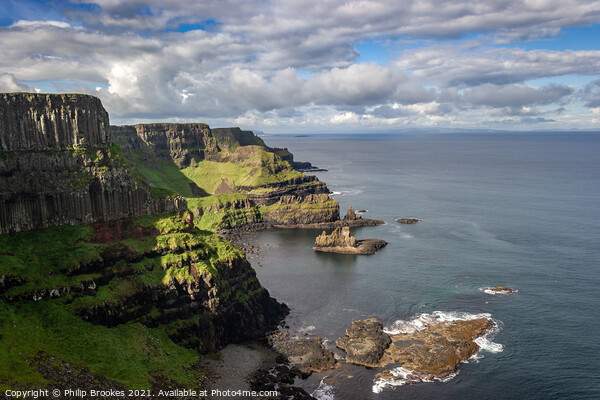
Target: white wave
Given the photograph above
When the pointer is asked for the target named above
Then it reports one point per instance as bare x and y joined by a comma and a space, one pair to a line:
489, 290
418, 323
402, 376
348, 192
309, 328
324, 391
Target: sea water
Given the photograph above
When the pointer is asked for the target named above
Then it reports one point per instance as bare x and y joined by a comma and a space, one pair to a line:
514, 209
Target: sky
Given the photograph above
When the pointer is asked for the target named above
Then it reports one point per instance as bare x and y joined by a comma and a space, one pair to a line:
321, 66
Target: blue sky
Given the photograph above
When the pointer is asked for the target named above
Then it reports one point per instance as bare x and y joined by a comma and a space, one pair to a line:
314, 66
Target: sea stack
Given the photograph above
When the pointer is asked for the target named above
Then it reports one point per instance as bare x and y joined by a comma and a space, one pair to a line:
340, 241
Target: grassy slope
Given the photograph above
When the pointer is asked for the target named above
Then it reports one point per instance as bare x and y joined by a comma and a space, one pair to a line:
127, 353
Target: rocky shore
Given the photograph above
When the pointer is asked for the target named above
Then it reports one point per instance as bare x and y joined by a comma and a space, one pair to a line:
432, 352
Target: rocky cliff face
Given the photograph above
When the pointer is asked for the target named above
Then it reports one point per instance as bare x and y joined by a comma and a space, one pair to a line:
340, 237
181, 143
57, 165
193, 154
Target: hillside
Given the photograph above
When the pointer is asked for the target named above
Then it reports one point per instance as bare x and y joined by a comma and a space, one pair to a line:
229, 177
105, 282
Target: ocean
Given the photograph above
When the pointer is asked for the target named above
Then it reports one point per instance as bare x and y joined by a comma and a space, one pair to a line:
514, 209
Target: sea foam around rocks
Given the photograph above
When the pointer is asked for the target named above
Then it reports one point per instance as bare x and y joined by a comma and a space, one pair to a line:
324, 391
488, 290
402, 376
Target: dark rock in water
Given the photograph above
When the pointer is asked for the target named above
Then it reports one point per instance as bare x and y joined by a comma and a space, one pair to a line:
408, 220
365, 342
361, 211
351, 215
433, 352
307, 355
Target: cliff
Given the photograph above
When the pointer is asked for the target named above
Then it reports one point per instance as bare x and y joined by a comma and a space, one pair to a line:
159, 286
218, 165
58, 166
107, 296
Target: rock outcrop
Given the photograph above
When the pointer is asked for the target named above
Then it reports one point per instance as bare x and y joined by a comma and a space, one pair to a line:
364, 342
433, 351
499, 290
308, 355
340, 237
181, 143
351, 215
340, 241
408, 220
57, 166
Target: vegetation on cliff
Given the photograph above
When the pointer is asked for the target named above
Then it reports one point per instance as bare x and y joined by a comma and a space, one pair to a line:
229, 177
128, 300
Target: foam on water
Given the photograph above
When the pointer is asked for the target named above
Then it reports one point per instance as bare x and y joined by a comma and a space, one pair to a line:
323, 392
488, 290
418, 323
402, 376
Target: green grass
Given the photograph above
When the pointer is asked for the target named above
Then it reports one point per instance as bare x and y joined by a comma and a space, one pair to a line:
162, 173
127, 353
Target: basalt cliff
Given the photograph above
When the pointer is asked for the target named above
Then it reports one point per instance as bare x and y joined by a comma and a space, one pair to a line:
229, 177
105, 280
57, 166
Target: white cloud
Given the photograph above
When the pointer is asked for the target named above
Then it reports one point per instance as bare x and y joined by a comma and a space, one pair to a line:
291, 63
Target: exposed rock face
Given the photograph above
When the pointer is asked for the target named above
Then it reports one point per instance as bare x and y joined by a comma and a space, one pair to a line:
341, 242
230, 138
351, 215
56, 166
41, 122
340, 237
364, 342
307, 355
181, 143
432, 352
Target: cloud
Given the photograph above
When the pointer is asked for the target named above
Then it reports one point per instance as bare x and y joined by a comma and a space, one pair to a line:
8, 83
591, 94
294, 64
515, 95
471, 64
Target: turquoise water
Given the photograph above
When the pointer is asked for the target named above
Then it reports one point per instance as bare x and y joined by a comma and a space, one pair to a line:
521, 210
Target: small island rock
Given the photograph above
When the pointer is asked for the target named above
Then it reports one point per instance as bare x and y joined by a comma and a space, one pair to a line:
408, 220
340, 241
